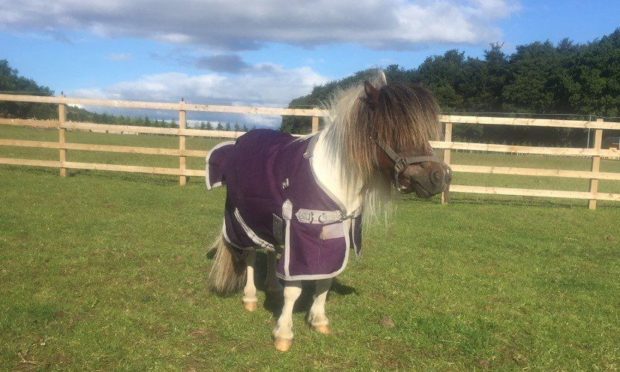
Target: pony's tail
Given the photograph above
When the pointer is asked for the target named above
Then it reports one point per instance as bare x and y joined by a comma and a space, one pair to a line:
228, 271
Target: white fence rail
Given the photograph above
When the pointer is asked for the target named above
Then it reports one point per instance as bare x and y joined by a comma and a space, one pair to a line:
447, 145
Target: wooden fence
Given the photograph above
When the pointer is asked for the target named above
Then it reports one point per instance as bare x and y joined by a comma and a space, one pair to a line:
62, 125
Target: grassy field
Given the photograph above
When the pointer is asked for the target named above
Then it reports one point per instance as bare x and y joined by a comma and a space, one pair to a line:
107, 271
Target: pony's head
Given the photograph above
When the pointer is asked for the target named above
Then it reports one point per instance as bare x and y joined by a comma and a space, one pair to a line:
384, 130
402, 120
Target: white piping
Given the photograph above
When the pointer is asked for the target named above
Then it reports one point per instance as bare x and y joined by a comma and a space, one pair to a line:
251, 234
207, 181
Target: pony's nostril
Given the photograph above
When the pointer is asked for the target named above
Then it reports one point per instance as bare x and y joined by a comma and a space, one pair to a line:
436, 177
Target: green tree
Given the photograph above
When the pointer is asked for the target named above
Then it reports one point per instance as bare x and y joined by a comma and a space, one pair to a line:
539, 78
445, 76
11, 82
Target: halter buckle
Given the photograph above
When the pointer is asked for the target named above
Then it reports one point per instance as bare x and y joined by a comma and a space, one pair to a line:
400, 164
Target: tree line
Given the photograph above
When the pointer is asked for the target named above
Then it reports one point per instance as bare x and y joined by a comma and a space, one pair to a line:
540, 79
11, 82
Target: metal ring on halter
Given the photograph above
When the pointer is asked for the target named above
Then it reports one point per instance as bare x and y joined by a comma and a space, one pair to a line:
401, 163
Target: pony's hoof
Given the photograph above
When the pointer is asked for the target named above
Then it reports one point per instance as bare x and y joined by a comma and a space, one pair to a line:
323, 329
283, 344
250, 306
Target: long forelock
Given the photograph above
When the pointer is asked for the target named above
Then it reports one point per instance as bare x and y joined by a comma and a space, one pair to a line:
346, 142
406, 118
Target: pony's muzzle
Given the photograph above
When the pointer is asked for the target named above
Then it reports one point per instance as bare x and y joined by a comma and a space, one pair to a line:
442, 177
425, 179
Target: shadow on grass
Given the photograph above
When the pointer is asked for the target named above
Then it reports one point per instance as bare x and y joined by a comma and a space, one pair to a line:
30, 170
97, 175
515, 201
71, 173
151, 179
535, 202
274, 300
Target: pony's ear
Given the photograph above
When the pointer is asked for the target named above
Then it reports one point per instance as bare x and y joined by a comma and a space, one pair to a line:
372, 94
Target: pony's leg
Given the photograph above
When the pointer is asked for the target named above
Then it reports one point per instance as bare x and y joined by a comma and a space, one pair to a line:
283, 333
272, 284
316, 316
249, 291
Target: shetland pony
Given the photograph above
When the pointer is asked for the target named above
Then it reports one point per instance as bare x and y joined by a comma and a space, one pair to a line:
302, 199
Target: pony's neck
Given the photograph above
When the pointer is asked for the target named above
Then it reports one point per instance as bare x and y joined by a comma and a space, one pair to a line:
328, 171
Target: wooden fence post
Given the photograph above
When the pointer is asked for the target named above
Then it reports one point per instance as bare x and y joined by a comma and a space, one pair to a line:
596, 164
62, 118
446, 156
182, 157
315, 124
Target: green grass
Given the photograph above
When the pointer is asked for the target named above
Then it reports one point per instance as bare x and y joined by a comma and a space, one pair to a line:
107, 271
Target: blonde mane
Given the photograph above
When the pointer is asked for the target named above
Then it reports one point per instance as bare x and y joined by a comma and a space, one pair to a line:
405, 117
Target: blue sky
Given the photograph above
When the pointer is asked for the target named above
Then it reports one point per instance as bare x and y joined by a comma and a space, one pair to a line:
263, 52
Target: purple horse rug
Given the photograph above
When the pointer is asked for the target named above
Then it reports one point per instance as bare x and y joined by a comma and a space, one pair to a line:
275, 202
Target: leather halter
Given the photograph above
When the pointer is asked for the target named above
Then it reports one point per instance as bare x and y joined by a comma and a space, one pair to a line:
400, 163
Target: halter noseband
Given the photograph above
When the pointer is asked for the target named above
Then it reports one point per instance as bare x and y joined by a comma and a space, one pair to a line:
400, 163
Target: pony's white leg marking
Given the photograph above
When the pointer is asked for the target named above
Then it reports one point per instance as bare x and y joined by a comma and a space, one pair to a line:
250, 300
316, 317
271, 281
283, 333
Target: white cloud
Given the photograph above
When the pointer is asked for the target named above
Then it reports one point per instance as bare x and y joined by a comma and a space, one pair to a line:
495, 8
119, 57
261, 85
241, 24
277, 86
